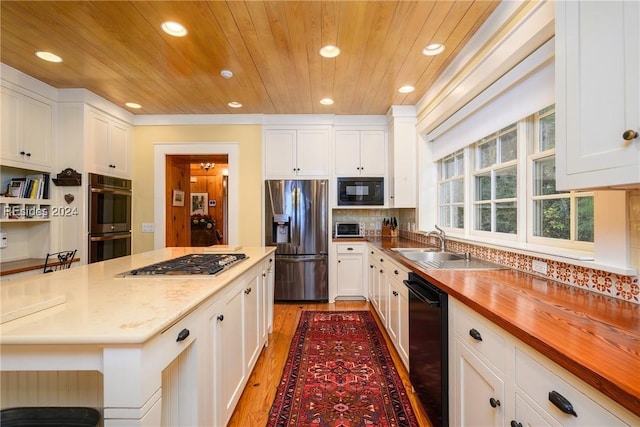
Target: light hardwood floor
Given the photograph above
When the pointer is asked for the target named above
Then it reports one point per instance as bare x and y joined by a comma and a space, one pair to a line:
253, 407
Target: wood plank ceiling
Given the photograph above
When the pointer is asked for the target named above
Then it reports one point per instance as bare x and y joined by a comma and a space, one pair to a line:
117, 50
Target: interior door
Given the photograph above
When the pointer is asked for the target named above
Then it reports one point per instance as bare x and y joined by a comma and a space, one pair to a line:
177, 226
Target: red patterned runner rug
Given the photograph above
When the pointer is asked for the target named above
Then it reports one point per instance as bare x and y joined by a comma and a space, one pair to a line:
339, 373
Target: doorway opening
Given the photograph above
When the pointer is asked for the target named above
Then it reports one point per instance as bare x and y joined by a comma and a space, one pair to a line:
163, 188
199, 203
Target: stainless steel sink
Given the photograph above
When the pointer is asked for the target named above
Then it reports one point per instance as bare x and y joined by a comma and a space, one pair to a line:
427, 254
433, 258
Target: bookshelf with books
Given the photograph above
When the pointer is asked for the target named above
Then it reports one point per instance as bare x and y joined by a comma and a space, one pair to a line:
26, 195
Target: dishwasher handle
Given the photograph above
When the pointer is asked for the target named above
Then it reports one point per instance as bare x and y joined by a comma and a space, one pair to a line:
417, 289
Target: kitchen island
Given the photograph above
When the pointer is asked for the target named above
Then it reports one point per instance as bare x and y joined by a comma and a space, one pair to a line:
157, 341
592, 336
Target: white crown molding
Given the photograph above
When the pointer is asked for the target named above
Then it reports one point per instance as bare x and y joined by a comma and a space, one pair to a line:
17, 78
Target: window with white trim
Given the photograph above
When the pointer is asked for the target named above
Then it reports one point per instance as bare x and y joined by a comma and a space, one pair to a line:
451, 189
495, 182
559, 215
498, 199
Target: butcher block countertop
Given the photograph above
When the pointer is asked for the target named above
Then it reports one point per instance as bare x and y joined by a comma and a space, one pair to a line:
90, 304
595, 337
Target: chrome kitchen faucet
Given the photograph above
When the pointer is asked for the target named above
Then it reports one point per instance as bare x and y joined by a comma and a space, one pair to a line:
440, 234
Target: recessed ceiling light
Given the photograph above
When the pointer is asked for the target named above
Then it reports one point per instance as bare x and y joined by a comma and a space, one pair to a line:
48, 56
133, 105
406, 89
329, 51
174, 29
227, 74
234, 104
433, 49
326, 101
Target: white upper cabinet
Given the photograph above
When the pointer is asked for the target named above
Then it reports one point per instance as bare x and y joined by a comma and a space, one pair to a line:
402, 156
296, 153
597, 94
109, 144
27, 132
360, 152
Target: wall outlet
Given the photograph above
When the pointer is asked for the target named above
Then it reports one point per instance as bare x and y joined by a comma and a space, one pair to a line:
539, 266
3, 240
147, 227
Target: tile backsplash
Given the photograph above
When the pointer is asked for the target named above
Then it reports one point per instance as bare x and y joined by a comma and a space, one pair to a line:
615, 285
626, 288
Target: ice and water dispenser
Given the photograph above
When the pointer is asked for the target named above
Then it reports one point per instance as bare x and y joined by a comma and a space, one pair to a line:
281, 232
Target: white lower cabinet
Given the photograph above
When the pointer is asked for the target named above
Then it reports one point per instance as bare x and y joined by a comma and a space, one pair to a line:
495, 379
478, 388
350, 269
398, 309
373, 284
390, 298
233, 340
226, 375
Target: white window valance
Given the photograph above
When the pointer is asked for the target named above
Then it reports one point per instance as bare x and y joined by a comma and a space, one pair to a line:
524, 90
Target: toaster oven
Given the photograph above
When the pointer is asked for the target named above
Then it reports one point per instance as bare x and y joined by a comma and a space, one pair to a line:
349, 229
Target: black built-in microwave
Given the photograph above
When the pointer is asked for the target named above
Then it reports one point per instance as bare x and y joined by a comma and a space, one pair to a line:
361, 191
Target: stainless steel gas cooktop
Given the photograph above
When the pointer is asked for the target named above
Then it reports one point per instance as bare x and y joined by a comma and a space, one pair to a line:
194, 264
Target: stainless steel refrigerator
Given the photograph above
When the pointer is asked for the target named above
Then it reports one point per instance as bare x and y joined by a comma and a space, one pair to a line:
296, 221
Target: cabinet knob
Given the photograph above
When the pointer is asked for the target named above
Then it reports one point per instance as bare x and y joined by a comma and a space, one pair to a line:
475, 334
182, 335
514, 423
28, 154
396, 272
494, 403
561, 403
220, 318
370, 265
247, 291
630, 134
22, 153
381, 271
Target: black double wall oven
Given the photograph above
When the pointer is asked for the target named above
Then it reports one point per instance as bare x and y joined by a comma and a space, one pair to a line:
109, 217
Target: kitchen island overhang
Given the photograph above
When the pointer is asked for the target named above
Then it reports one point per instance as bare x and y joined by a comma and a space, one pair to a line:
129, 329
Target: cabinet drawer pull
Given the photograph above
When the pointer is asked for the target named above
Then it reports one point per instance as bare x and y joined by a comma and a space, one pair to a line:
475, 334
561, 403
247, 291
494, 403
349, 249
220, 317
395, 293
182, 335
514, 423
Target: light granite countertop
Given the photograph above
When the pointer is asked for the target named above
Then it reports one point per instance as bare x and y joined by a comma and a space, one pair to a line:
89, 304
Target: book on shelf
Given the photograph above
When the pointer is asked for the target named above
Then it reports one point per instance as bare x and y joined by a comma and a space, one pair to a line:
30, 187
38, 186
16, 186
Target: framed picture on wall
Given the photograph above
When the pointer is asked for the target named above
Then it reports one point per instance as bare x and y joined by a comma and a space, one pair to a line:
199, 203
178, 198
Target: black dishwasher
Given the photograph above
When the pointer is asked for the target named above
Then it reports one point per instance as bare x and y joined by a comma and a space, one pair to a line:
428, 347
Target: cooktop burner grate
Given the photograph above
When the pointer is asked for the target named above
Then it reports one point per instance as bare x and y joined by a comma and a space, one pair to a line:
203, 264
